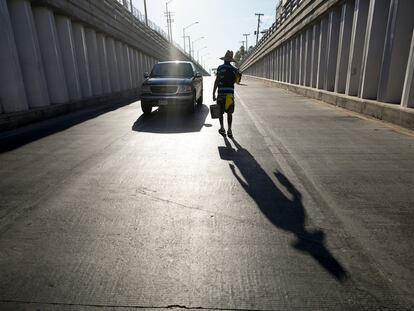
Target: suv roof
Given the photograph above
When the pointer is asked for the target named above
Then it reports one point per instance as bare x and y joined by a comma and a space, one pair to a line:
176, 62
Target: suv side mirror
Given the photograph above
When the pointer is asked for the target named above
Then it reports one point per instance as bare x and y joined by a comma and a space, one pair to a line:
198, 75
146, 75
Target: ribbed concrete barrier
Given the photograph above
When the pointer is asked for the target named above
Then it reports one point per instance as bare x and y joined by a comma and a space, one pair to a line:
61, 55
394, 114
357, 54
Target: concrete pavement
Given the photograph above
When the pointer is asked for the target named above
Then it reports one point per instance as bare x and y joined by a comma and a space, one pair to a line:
309, 207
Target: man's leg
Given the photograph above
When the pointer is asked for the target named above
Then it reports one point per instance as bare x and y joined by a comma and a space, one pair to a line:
229, 120
222, 131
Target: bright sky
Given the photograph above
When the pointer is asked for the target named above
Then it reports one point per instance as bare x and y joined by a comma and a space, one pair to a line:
221, 22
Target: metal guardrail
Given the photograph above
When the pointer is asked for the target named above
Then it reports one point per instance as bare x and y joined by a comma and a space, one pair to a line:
288, 9
128, 11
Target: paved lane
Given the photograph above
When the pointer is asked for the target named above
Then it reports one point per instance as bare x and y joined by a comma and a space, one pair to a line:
308, 208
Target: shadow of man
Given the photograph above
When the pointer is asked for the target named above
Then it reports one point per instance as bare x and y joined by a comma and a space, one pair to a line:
284, 213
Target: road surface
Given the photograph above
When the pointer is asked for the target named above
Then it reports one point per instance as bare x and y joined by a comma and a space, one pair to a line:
309, 208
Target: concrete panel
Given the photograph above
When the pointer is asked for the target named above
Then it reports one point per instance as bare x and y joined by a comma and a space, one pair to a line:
373, 48
292, 61
82, 59
121, 65
323, 39
408, 91
289, 61
308, 56
127, 66
315, 55
332, 49
29, 53
357, 47
302, 58
133, 66
297, 59
347, 14
113, 65
93, 59
282, 70
286, 65
140, 72
396, 50
12, 92
51, 55
67, 45
103, 63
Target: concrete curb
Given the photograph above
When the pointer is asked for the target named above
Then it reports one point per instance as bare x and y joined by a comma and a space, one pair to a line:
391, 113
15, 120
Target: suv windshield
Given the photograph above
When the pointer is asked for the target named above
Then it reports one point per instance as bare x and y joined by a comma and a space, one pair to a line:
172, 70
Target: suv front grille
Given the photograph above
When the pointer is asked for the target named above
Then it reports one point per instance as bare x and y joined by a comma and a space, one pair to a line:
164, 89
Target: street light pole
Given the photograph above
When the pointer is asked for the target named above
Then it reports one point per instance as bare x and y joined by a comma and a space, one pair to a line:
198, 52
169, 20
184, 36
146, 13
198, 39
247, 45
258, 26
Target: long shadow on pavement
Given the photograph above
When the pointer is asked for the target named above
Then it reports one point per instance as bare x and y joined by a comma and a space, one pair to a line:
170, 120
282, 212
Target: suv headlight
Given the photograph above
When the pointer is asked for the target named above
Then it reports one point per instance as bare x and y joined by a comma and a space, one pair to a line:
146, 89
184, 89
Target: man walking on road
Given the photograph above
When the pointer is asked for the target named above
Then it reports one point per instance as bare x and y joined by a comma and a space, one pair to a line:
227, 75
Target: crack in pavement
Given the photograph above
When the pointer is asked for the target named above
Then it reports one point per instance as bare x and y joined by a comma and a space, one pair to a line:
172, 306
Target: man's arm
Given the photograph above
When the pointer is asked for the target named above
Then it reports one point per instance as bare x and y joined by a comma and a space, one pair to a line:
215, 88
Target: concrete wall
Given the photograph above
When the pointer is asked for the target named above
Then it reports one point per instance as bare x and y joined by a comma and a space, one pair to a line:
57, 52
361, 48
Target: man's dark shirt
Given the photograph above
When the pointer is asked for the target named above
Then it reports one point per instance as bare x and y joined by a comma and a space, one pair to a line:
226, 75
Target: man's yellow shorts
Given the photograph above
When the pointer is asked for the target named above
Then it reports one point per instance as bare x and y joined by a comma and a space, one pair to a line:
226, 103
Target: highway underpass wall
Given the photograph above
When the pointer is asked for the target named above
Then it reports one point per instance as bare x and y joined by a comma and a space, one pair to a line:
58, 55
362, 49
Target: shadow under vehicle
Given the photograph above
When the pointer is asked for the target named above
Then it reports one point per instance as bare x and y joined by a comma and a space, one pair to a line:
172, 83
168, 120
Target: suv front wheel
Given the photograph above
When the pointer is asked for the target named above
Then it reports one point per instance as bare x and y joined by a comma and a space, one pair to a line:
192, 104
200, 99
146, 108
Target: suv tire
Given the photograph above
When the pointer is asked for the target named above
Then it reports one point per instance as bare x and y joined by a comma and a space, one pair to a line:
146, 108
200, 99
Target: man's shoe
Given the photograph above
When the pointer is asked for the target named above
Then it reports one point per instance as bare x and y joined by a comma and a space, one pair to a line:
230, 134
222, 132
